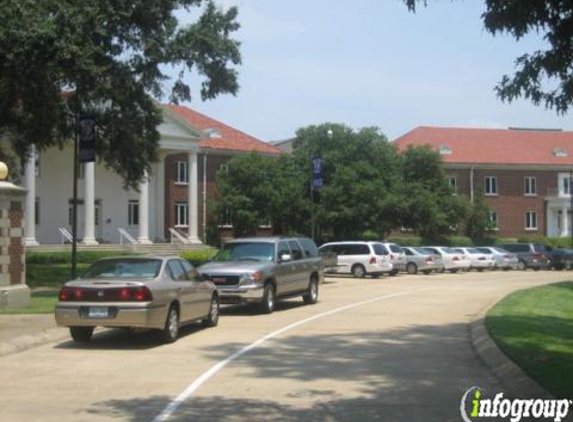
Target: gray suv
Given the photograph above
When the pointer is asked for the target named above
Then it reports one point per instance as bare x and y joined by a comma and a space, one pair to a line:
262, 269
529, 255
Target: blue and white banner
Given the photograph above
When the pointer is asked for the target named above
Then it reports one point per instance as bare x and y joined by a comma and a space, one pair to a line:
317, 168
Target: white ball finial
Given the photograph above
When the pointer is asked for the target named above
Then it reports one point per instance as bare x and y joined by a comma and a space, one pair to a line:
3, 171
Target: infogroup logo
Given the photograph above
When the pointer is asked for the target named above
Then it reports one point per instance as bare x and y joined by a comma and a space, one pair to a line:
474, 406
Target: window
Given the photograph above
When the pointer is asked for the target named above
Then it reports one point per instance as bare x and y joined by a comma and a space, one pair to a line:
493, 219
181, 172
191, 272
37, 163
181, 214
296, 250
530, 186
530, 220
133, 212
37, 211
282, 249
176, 270
490, 185
224, 168
226, 218
309, 247
355, 249
453, 181
566, 185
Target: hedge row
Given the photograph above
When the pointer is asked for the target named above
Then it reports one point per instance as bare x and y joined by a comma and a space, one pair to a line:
198, 257
83, 257
555, 242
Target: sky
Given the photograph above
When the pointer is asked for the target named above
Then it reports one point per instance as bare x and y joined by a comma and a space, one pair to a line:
371, 63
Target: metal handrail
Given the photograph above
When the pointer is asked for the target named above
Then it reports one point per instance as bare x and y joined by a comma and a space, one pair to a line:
65, 235
123, 233
178, 236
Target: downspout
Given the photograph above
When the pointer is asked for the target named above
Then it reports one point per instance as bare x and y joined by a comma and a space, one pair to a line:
472, 184
205, 197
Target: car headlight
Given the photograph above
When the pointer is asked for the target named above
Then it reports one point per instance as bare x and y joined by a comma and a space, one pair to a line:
251, 278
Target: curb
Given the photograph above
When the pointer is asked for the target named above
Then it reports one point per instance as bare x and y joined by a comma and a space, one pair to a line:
513, 378
26, 342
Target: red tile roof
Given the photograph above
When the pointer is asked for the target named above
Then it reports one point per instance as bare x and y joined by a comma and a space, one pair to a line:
230, 139
493, 146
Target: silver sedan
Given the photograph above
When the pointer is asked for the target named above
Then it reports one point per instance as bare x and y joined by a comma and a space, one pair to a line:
420, 259
154, 292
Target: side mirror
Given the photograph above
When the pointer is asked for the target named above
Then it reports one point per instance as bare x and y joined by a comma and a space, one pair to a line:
286, 258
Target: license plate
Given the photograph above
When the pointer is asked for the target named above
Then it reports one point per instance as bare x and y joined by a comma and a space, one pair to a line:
98, 312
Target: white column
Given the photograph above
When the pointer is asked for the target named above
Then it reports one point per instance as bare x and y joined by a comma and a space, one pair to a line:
193, 207
89, 205
144, 211
30, 176
160, 199
564, 222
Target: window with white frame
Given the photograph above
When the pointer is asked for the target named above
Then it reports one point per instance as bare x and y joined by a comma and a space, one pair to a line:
530, 186
133, 212
226, 218
493, 219
566, 185
182, 172
453, 182
530, 220
490, 187
181, 214
224, 168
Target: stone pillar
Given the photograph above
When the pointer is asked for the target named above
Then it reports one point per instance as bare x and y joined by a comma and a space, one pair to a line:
30, 181
89, 205
13, 289
144, 211
564, 222
193, 199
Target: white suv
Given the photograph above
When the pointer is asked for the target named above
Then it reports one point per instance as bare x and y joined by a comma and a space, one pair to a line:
360, 258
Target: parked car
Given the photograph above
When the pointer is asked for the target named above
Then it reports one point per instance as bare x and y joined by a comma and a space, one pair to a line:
504, 260
530, 255
420, 259
263, 269
397, 257
478, 260
561, 259
453, 261
360, 258
137, 292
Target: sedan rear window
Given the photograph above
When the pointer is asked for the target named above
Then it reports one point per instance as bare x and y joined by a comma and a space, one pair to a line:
124, 268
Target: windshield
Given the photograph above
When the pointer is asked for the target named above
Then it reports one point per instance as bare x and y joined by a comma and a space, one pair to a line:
124, 268
247, 251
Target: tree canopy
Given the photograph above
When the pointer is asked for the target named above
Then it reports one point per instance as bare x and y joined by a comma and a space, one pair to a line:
112, 58
543, 76
370, 189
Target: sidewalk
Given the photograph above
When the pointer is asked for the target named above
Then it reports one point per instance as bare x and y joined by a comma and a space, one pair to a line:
20, 332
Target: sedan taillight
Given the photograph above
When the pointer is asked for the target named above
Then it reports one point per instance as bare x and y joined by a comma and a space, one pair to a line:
429, 259
455, 258
373, 260
122, 294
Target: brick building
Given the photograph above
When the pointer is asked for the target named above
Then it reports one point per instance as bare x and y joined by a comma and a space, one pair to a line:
524, 174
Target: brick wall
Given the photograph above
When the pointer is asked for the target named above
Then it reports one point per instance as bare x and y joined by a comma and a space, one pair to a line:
511, 203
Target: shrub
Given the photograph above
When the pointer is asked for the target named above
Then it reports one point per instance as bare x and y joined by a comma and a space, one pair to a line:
486, 241
371, 235
65, 257
198, 257
406, 240
505, 240
458, 241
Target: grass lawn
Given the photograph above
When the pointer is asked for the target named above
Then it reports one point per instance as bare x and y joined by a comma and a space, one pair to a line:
50, 275
534, 327
41, 303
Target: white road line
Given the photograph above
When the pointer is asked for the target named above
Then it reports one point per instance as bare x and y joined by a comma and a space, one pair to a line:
205, 376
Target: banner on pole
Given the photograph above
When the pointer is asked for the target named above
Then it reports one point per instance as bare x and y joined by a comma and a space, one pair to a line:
317, 169
87, 139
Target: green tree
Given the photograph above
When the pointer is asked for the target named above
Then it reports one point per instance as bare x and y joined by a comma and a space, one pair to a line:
113, 56
428, 205
543, 76
361, 178
478, 222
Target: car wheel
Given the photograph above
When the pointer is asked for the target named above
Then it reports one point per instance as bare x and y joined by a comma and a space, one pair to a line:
269, 299
412, 268
81, 334
170, 332
311, 296
213, 318
442, 270
521, 266
358, 271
